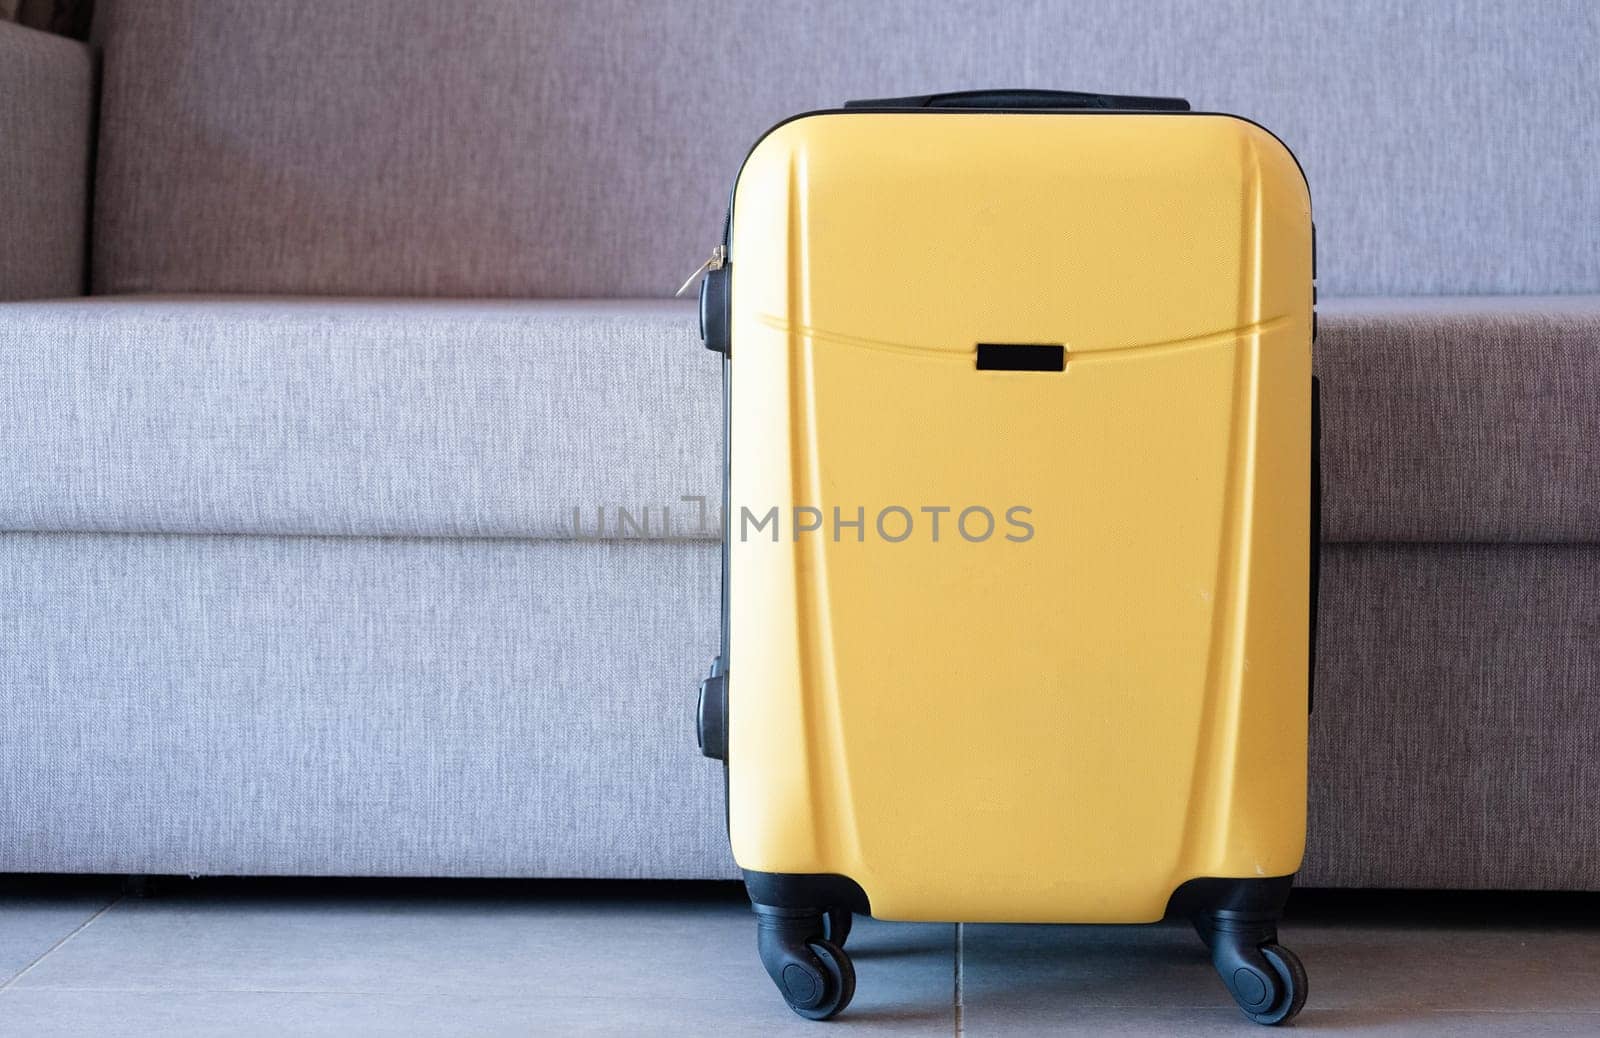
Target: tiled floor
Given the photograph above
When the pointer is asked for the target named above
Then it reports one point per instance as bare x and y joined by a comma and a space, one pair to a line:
271, 958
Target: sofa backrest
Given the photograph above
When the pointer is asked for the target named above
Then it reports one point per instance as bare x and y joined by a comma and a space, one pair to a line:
586, 147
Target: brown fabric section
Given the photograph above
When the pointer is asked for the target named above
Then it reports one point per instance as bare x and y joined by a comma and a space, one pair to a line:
1456, 737
63, 17
46, 115
1461, 419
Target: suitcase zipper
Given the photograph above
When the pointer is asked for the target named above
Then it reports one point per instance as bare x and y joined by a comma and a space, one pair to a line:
718, 257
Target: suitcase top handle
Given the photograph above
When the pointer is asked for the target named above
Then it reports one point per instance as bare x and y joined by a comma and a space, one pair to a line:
1014, 100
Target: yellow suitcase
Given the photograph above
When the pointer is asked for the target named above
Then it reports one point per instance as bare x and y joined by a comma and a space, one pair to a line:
1019, 524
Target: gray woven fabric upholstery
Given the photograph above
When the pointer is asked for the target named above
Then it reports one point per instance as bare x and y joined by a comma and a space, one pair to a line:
299, 705
1457, 722
1461, 419
1458, 420
586, 147
296, 589
360, 706
46, 115
309, 416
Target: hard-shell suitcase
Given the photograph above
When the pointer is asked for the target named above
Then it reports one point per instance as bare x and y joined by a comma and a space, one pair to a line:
1019, 522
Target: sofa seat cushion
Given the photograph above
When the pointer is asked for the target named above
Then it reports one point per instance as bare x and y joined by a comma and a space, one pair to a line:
1450, 420
1461, 419
379, 417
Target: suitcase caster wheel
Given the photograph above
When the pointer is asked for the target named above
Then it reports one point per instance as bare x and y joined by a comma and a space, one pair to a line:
1267, 997
1289, 984
1264, 978
839, 984
812, 973
836, 925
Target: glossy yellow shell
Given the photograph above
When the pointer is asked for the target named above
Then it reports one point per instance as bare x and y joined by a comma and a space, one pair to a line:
1066, 727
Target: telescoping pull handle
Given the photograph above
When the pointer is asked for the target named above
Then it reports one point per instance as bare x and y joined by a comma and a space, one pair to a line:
1012, 100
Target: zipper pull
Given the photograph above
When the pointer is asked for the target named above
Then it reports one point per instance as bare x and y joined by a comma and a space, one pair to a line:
714, 262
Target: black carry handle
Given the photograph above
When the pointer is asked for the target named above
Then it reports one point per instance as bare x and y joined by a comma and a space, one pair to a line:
1019, 99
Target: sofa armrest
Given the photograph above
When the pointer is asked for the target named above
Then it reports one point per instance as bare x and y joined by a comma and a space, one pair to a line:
47, 86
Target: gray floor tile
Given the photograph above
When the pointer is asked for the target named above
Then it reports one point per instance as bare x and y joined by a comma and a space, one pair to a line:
1390, 968
1162, 966
1432, 1024
31, 924
48, 1013
1413, 977
237, 960
623, 961
1200, 1023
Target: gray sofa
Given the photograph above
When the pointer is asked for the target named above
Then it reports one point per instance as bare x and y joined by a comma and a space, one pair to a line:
326, 316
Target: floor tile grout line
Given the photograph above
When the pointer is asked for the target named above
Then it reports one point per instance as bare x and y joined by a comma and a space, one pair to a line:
76, 930
959, 980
